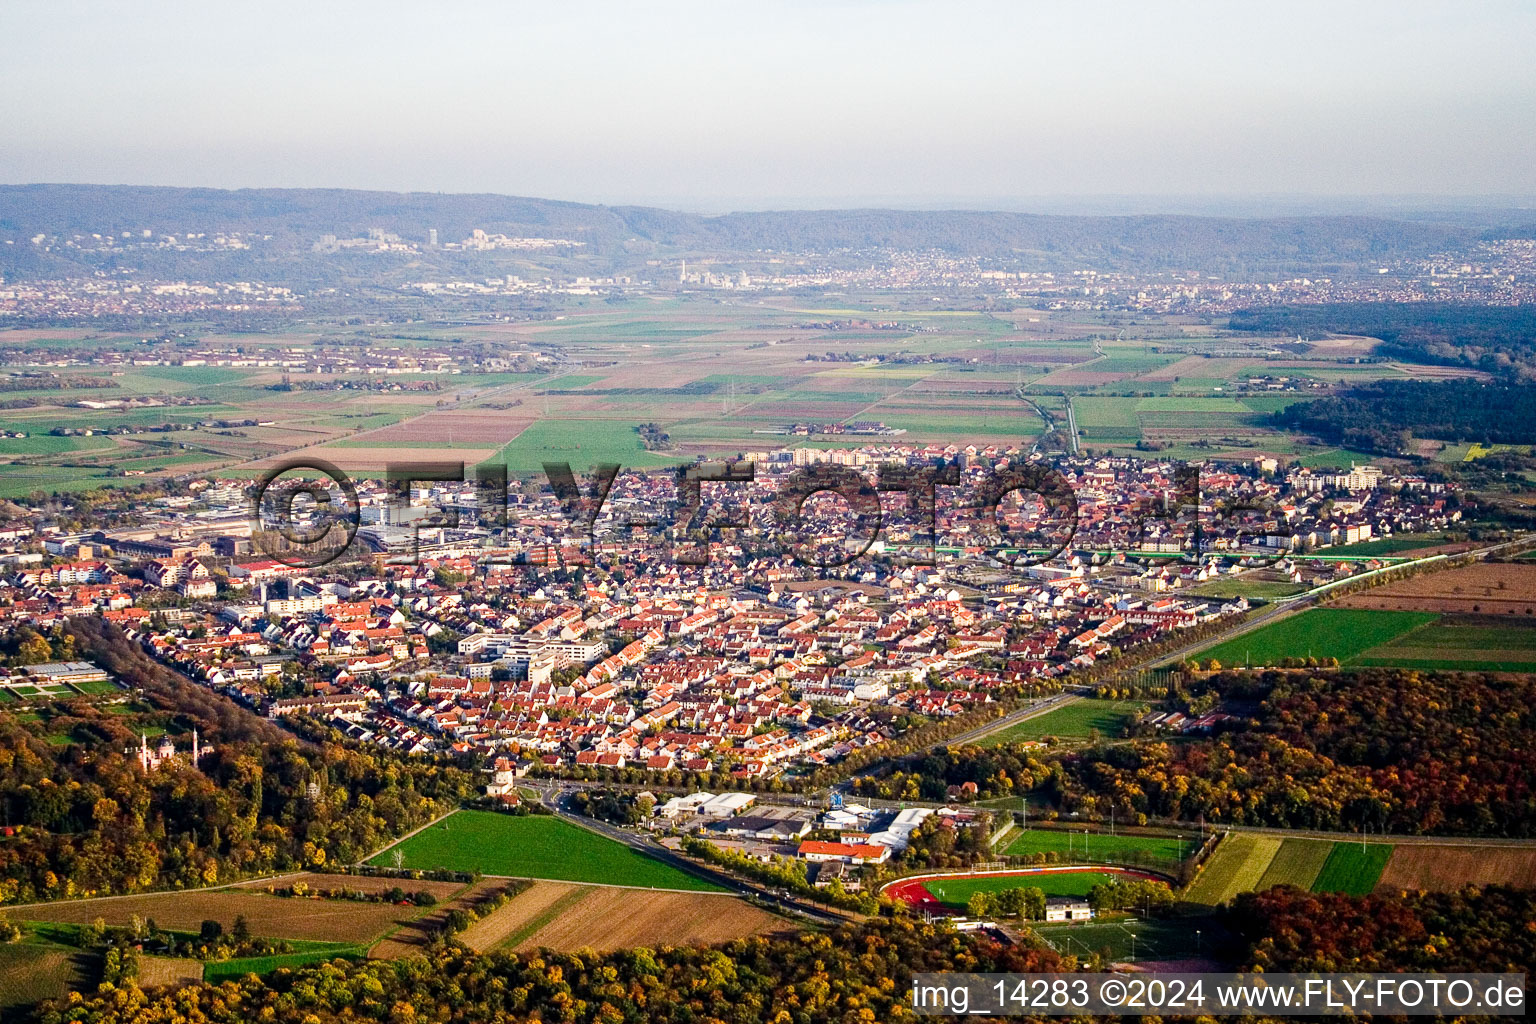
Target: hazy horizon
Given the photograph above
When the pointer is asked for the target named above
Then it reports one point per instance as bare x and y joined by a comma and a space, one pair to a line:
687, 106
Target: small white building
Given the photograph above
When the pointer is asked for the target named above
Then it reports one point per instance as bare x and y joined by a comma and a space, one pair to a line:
1066, 908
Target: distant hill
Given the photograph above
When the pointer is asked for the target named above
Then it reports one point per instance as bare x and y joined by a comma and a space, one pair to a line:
296, 217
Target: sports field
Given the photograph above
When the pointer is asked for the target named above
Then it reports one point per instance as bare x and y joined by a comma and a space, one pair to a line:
1132, 940
534, 846
1343, 633
957, 892
1076, 721
1101, 846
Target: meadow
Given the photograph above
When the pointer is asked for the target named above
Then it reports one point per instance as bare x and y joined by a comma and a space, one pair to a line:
534, 846
1341, 633
1079, 720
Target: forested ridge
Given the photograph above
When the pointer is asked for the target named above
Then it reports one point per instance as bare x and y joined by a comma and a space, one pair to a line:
88, 820
855, 974
859, 974
1488, 929
1492, 338
1381, 416
1408, 751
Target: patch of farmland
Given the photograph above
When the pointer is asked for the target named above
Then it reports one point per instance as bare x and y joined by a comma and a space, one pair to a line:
29, 974
373, 461
1200, 366
168, 970
535, 846
1440, 868
361, 883
1484, 588
267, 916
1237, 865
1298, 862
523, 915
1319, 632
1352, 868
604, 918
487, 427
1106, 412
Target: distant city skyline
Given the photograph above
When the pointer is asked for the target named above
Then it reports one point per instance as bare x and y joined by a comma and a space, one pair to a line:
1109, 107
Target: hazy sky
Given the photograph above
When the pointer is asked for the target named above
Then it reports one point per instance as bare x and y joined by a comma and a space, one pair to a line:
708, 105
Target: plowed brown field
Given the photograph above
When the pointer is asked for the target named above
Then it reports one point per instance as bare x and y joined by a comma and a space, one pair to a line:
1440, 868
1484, 588
565, 916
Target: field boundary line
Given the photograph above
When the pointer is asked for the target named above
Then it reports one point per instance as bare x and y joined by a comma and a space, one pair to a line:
220, 887
396, 842
620, 885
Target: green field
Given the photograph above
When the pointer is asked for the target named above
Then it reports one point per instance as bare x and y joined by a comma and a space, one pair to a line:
1262, 590
215, 971
1238, 863
1101, 846
1075, 721
1343, 633
958, 892
582, 443
1297, 862
1134, 940
534, 846
1352, 869
1393, 545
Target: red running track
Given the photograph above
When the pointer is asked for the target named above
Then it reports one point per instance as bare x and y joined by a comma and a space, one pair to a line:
914, 890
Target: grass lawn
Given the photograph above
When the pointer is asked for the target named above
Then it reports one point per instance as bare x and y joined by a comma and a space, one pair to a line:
1343, 633
1132, 850
535, 846
1075, 721
1298, 862
1353, 870
1391, 545
1263, 590
958, 892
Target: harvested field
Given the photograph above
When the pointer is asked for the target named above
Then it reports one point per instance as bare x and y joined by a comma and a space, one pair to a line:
168, 970
1484, 589
1414, 866
484, 427
530, 909
375, 460
268, 916
412, 937
30, 974
604, 918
